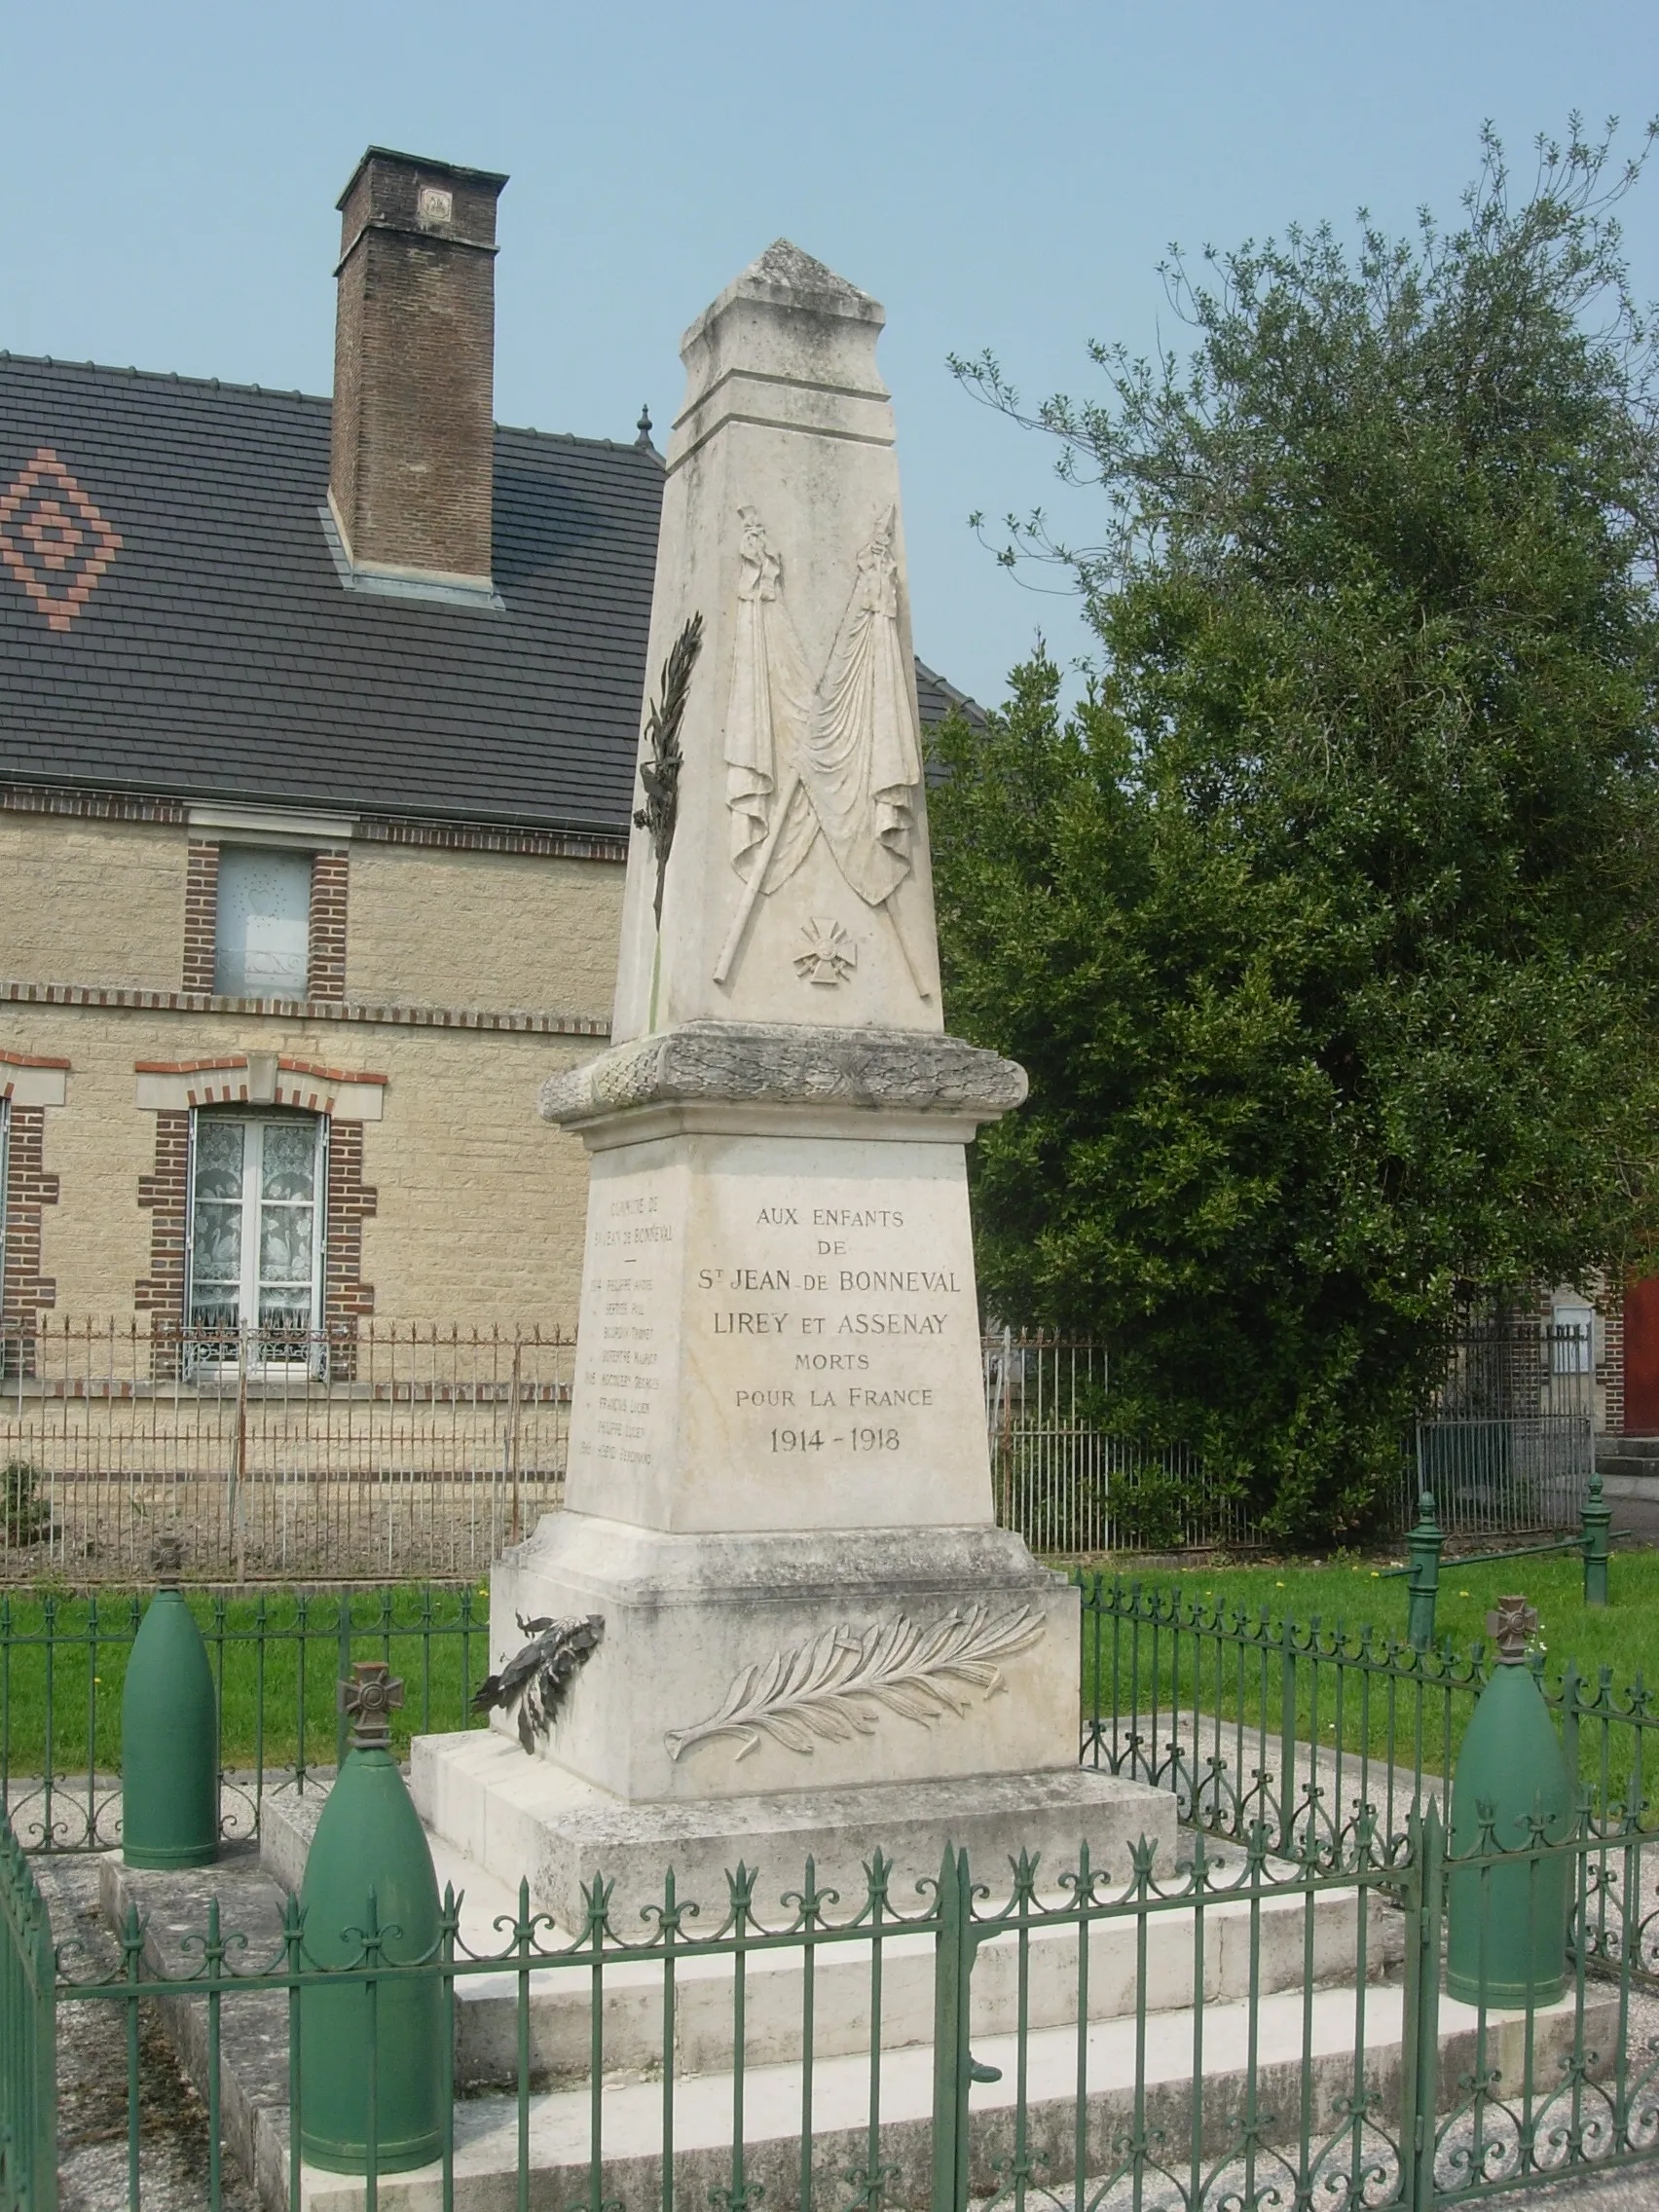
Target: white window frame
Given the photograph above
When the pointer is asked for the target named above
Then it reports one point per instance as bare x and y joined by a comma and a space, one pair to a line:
248, 1359
1574, 1354
245, 848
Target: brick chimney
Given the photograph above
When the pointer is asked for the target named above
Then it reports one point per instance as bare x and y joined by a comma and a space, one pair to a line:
411, 461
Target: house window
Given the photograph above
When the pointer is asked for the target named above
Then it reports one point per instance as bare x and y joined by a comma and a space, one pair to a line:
1571, 1338
263, 936
256, 1237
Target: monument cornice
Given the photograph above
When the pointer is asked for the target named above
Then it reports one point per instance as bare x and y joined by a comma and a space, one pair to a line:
728, 1063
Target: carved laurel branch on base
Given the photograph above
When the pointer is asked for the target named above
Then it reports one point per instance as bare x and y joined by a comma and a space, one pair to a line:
828, 1686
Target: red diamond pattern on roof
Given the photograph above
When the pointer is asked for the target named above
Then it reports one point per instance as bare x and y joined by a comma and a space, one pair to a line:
54, 539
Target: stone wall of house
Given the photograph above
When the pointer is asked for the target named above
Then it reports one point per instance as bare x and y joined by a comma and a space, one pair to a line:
482, 929
90, 902
469, 977
477, 1206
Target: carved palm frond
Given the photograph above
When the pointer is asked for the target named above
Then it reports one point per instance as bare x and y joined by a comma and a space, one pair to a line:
832, 1687
659, 771
535, 1678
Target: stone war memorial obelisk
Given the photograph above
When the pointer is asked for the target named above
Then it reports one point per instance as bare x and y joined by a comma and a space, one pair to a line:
803, 1632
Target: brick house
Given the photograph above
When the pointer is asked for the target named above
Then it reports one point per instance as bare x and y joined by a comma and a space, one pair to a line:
318, 728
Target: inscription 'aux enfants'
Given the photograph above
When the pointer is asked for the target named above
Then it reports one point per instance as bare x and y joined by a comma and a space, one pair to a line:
833, 1323
828, 1398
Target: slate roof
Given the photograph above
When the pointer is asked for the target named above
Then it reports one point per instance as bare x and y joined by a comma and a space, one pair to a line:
172, 621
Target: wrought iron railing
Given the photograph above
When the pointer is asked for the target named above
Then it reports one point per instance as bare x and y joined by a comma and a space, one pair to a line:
1308, 1762
276, 1658
412, 1450
1507, 1443
1248, 1718
387, 1450
1240, 2030
1245, 1717
1070, 1487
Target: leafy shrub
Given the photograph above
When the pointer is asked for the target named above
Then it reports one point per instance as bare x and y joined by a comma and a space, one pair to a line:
28, 1515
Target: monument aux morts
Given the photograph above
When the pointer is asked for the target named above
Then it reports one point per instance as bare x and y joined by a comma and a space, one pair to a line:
775, 1615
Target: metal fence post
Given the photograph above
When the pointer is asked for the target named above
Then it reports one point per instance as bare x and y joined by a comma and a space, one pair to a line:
513, 1440
1597, 1520
952, 1970
1419, 2072
29, 2036
1422, 1576
341, 1673
1287, 1737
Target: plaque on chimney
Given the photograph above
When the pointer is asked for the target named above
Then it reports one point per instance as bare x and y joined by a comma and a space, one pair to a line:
435, 206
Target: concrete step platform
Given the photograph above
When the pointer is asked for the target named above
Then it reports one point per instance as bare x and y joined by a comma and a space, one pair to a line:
478, 1792
1629, 1448
1282, 2056
1292, 1944
1629, 1477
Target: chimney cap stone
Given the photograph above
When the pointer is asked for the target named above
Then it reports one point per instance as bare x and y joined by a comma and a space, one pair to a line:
496, 177
784, 264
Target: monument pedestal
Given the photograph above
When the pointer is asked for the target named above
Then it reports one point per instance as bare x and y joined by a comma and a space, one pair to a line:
766, 1697
732, 1666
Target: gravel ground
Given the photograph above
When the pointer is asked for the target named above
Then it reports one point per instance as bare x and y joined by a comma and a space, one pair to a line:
1636, 2191
92, 2080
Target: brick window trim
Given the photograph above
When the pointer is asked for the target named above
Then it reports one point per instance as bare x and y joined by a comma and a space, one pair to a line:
24, 1291
34, 1079
200, 915
164, 1193
347, 1202
325, 956
261, 1079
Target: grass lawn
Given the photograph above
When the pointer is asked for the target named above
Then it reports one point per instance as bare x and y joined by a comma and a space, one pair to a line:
278, 1696
1625, 1636
277, 1689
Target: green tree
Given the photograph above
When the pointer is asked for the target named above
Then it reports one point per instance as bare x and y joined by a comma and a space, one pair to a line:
1326, 924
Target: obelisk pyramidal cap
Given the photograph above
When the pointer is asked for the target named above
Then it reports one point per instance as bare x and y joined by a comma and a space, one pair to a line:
778, 1528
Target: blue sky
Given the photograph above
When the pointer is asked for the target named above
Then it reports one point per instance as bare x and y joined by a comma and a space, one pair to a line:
997, 176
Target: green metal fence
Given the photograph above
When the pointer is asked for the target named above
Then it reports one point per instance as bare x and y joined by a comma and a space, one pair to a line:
276, 1658
1248, 1718
1243, 1716
29, 2038
1231, 2033
1259, 2024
